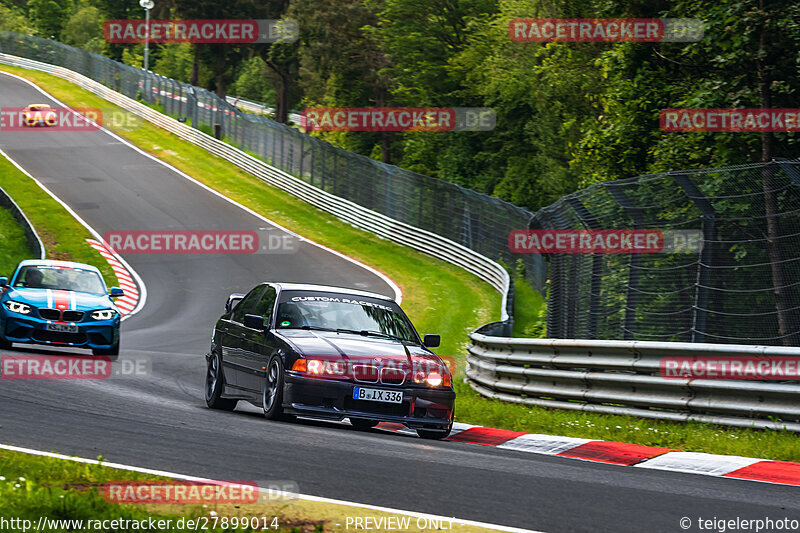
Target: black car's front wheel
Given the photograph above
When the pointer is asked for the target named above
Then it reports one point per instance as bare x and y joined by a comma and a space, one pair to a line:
215, 385
272, 395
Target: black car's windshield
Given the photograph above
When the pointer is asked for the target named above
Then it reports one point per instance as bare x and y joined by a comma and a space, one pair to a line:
59, 278
342, 314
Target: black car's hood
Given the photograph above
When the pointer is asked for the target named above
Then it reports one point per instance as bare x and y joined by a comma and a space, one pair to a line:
347, 345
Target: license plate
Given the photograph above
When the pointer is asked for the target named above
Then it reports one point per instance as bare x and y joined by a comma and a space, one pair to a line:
62, 328
377, 395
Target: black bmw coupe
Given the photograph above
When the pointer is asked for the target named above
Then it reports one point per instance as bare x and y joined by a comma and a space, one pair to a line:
331, 353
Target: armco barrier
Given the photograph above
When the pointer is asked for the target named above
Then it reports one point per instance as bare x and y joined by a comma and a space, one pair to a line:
350, 212
622, 378
34, 242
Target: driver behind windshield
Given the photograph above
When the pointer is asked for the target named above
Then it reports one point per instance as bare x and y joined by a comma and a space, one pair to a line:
33, 278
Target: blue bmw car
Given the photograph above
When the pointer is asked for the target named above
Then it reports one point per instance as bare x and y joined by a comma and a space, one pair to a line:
59, 303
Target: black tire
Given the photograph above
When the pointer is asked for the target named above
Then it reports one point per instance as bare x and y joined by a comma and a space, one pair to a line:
215, 386
4, 344
434, 434
363, 424
113, 351
272, 392
437, 434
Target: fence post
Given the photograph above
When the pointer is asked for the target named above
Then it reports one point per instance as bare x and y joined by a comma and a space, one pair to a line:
700, 311
635, 261
591, 222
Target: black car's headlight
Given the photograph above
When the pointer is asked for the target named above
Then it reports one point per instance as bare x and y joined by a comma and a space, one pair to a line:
103, 314
18, 307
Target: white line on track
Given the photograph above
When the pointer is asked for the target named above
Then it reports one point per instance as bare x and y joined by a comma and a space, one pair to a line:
305, 497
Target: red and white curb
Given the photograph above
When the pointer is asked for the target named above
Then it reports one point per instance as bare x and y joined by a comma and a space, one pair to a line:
127, 303
622, 454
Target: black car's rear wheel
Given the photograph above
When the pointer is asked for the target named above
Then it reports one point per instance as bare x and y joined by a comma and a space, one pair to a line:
272, 396
215, 385
363, 423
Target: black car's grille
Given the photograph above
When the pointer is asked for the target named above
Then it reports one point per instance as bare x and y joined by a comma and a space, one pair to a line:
58, 336
72, 316
378, 408
373, 374
49, 314
392, 376
365, 373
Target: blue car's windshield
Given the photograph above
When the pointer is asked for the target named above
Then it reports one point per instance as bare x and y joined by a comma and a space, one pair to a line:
59, 278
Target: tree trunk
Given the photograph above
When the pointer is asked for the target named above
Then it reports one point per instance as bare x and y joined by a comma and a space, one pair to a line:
195, 67
282, 93
771, 210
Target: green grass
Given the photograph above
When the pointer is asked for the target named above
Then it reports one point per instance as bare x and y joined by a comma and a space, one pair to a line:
64, 238
529, 310
33, 486
438, 297
13, 244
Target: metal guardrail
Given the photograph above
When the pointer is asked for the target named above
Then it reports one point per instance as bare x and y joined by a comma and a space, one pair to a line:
34, 242
622, 378
350, 212
257, 107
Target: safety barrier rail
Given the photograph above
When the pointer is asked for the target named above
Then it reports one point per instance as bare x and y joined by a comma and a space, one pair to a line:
624, 378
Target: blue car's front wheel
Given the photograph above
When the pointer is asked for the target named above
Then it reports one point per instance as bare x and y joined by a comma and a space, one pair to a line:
4, 344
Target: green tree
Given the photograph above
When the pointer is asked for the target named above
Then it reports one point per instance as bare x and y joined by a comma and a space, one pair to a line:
84, 29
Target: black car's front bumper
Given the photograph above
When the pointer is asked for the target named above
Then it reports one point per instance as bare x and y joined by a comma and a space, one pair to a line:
425, 408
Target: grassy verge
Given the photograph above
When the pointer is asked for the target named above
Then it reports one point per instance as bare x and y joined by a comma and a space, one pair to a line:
437, 296
13, 244
32, 486
63, 237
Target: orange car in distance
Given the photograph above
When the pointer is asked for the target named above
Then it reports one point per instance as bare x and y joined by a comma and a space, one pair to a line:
39, 115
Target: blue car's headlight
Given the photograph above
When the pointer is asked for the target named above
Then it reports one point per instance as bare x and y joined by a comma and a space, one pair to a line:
103, 314
18, 307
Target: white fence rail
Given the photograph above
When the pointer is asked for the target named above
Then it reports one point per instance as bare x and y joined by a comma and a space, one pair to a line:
257, 107
350, 212
623, 377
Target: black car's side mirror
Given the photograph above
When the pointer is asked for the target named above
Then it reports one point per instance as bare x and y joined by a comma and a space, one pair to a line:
233, 299
253, 322
3, 282
431, 341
